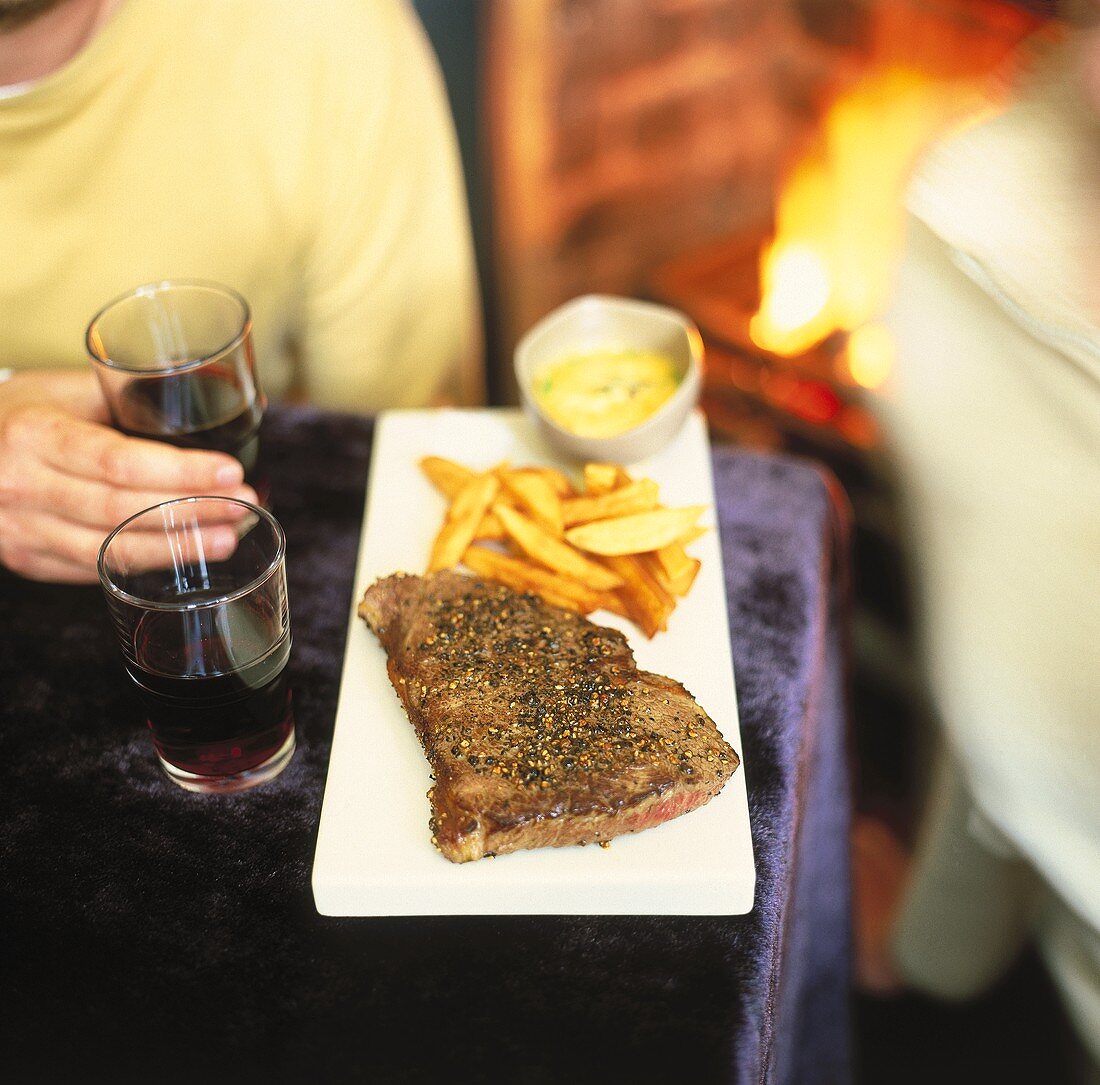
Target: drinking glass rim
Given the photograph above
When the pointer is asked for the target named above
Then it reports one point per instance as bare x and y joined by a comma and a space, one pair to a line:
146, 289
114, 590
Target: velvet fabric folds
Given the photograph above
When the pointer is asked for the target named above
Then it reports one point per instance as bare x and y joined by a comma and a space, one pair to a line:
152, 935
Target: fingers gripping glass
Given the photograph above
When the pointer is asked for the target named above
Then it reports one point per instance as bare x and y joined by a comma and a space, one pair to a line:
175, 362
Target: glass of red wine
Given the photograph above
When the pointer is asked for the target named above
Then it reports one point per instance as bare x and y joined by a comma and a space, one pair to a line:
196, 589
175, 362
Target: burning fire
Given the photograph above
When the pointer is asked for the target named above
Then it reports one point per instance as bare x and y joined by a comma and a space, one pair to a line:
840, 217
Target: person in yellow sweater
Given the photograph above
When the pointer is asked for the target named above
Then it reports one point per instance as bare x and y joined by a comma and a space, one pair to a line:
301, 153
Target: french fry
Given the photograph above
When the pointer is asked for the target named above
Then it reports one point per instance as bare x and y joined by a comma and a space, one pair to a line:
640, 496
445, 475
600, 478
524, 575
678, 568
634, 534
678, 582
612, 546
552, 552
536, 495
693, 534
558, 480
461, 524
655, 569
681, 583
672, 558
489, 530
613, 603
647, 603
449, 477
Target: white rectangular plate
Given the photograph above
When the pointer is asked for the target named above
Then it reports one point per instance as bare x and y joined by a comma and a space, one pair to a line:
374, 855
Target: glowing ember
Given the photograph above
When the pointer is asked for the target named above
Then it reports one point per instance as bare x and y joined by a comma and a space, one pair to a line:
796, 293
869, 355
840, 217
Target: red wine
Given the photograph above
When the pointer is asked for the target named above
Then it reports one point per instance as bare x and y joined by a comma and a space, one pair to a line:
195, 410
223, 717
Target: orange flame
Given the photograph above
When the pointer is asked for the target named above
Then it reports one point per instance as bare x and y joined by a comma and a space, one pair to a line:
840, 216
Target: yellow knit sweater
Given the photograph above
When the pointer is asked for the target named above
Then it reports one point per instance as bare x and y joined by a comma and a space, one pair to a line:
302, 153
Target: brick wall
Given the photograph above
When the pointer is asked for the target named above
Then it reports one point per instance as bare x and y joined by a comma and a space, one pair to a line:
623, 133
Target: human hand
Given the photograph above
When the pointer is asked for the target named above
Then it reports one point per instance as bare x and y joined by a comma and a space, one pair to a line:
67, 478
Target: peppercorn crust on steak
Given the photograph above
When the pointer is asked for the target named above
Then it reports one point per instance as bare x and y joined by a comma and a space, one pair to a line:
539, 728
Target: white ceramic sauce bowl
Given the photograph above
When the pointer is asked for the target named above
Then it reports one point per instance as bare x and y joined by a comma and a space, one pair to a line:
601, 322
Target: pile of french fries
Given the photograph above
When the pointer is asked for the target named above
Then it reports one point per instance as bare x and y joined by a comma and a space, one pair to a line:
610, 545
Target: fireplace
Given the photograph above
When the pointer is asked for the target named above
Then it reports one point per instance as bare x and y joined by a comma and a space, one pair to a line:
617, 136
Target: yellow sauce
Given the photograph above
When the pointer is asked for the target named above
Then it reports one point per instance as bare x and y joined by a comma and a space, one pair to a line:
605, 392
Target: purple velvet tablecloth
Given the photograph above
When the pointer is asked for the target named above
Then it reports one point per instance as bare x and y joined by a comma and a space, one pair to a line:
151, 935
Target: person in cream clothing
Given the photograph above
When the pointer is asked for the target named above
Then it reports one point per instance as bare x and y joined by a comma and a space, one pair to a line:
301, 153
993, 414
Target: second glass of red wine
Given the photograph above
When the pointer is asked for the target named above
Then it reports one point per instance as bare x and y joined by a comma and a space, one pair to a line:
196, 589
175, 362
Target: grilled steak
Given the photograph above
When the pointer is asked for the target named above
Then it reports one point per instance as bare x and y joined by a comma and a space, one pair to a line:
539, 728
